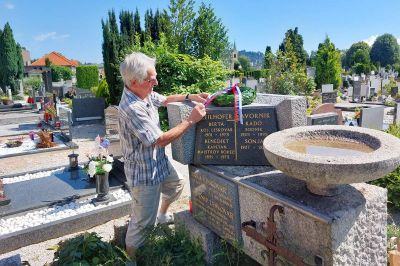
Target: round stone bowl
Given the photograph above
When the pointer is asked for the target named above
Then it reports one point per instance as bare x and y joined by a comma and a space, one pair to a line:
327, 156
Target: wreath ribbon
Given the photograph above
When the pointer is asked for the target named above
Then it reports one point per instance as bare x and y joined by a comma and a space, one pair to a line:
237, 105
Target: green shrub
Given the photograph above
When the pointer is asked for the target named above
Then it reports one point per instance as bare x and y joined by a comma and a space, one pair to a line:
32, 82
166, 246
87, 77
60, 72
88, 249
102, 90
391, 181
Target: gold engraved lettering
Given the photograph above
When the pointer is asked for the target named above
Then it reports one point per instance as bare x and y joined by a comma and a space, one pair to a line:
256, 115
216, 141
257, 129
219, 116
216, 124
253, 123
253, 141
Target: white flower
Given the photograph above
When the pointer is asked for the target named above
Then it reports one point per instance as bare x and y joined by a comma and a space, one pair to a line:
107, 167
109, 159
92, 168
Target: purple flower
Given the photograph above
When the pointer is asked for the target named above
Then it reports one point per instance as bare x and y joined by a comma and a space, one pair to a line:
105, 143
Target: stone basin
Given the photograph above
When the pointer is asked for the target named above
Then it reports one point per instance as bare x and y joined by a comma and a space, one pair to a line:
330, 155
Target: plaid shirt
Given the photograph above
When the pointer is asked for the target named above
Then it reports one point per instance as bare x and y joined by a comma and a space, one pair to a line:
145, 163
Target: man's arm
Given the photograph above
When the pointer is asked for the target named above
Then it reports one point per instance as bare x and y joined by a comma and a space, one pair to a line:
201, 98
198, 112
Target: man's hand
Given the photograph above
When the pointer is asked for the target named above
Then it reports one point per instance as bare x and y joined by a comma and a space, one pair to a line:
198, 112
201, 97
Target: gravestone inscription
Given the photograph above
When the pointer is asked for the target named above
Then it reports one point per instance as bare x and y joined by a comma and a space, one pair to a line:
323, 119
329, 97
215, 202
221, 140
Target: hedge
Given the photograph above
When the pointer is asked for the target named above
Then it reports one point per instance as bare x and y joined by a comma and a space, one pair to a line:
87, 77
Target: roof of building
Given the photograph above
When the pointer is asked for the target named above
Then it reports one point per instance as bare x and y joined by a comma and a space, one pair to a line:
56, 59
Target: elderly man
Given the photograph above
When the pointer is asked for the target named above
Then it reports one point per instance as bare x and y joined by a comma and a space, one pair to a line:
147, 168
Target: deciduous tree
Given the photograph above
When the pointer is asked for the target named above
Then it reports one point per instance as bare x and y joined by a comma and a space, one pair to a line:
385, 50
210, 35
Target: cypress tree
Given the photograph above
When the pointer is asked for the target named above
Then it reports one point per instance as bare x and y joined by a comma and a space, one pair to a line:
1, 60
111, 49
148, 24
21, 67
9, 59
136, 22
155, 27
127, 28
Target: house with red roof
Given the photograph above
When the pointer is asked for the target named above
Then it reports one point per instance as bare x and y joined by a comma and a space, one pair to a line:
55, 58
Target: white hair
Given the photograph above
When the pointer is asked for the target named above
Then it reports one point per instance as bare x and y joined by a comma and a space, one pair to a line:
135, 67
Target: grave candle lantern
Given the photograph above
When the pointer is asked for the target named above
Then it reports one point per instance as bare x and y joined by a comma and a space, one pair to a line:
73, 160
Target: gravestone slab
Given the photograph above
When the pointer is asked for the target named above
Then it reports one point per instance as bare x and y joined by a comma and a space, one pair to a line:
111, 121
290, 112
329, 97
326, 88
11, 261
364, 90
336, 229
356, 89
372, 117
86, 109
328, 108
323, 119
39, 192
371, 92
215, 202
396, 118
221, 140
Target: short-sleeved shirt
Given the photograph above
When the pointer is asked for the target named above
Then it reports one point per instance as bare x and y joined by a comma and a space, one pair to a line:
145, 162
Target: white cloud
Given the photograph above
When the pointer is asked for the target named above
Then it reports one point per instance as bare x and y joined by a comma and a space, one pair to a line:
9, 6
370, 40
50, 35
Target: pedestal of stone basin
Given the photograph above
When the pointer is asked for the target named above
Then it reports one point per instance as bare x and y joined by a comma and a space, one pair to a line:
365, 155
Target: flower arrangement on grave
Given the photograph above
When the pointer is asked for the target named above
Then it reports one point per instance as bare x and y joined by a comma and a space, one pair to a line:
357, 113
100, 162
50, 111
234, 96
227, 98
46, 139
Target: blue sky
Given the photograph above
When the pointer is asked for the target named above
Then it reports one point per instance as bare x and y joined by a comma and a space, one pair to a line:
74, 27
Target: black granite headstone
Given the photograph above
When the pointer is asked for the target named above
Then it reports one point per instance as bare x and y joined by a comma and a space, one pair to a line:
36, 193
329, 97
84, 109
215, 203
47, 80
220, 140
371, 92
323, 119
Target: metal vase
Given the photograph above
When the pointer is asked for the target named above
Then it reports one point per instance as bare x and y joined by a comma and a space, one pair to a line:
102, 187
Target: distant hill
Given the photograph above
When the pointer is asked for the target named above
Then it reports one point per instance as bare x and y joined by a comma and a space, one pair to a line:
256, 58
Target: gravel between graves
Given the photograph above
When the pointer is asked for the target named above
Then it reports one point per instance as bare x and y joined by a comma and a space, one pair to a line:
38, 254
